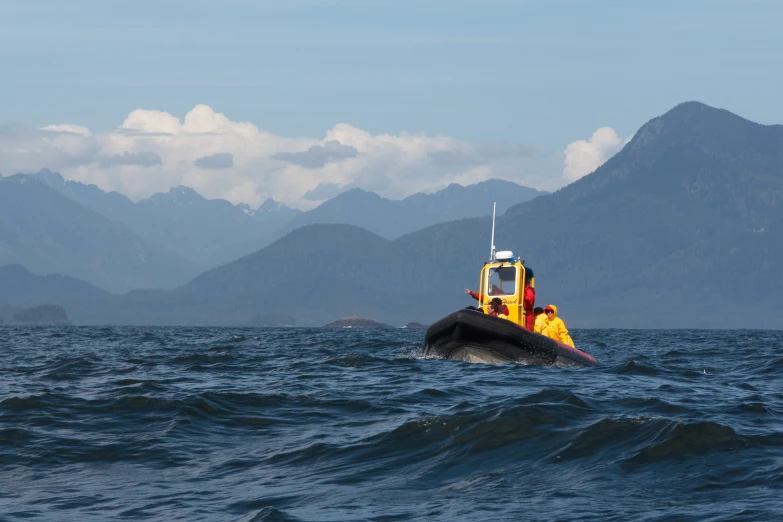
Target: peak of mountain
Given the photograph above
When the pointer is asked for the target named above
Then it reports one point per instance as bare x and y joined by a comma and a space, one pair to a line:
300, 252
81, 192
343, 203
490, 186
173, 201
704, 151
112, 205
694, 111
178, 195
182, 190
357, 194
270, 205
50, 178
696, 124
207, 230
269, 209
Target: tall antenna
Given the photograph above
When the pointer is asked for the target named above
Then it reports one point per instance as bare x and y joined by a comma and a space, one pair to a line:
492, 243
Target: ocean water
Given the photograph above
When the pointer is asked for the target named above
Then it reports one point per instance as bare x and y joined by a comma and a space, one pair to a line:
109, 423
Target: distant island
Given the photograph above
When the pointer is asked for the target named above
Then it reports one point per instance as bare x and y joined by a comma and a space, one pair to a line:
357, 322
53, 315
415, 325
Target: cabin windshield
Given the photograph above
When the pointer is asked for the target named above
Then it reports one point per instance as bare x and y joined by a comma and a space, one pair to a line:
502, 281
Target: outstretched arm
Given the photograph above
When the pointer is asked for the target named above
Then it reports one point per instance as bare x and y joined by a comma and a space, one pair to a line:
474, 295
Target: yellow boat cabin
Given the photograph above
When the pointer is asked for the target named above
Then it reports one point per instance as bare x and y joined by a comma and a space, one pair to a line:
506, 279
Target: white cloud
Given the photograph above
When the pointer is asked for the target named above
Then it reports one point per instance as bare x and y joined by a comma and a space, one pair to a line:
71, 129
62, 146
152, 151
584, 156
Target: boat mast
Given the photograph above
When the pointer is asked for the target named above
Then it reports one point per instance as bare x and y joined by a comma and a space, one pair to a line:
492, 242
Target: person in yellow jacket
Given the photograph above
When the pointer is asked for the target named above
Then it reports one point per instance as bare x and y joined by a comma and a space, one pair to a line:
555, 327
541, 319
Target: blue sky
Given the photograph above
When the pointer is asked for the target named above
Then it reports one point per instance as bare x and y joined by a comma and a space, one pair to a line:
541, 73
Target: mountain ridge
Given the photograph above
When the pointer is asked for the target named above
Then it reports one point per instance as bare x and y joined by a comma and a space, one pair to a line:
394, 218
211, 232
19, 286
48, 233
207, 231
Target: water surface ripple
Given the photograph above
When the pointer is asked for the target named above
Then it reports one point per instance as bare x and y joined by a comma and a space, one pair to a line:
102, 423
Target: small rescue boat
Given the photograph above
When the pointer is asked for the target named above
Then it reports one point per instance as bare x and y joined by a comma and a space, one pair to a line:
472, 336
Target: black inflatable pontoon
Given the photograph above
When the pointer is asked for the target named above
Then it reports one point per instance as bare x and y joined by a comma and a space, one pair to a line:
472, 336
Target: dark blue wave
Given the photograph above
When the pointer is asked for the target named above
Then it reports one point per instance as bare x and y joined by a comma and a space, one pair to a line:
318, 424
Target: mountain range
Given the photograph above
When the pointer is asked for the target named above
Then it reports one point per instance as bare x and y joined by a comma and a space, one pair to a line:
208, 232
683, 228
211, 232
48, 233
392, 219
